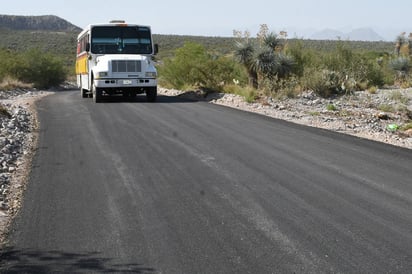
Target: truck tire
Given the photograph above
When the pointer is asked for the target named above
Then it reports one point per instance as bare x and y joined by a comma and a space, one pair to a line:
151, 94
97, 94
83, 92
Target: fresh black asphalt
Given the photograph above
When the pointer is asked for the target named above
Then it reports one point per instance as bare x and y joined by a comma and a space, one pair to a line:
190, 187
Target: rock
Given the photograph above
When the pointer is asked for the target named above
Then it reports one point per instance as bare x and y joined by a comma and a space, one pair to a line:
316, 101
15, 139
383, 116
408, 132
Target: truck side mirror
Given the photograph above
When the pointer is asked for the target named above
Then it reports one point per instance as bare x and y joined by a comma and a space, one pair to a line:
156, 49
87, 47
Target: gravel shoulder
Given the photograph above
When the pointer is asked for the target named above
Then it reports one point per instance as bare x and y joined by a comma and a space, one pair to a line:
377, 117
18, 140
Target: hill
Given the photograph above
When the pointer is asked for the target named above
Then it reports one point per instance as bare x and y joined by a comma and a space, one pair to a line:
360, 34
39, 23
58, 36
364, 34
226, 45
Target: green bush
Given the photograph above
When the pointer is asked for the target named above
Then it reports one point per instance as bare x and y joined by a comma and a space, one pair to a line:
342, 71
303, 57
43, 70
322, 82
192, 66
250, 94
401, 66
331, 107
6, 61
183, 69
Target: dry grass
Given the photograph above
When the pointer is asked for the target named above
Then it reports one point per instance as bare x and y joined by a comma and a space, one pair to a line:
9, 83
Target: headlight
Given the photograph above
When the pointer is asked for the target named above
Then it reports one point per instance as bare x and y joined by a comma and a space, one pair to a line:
150, 74
102, 74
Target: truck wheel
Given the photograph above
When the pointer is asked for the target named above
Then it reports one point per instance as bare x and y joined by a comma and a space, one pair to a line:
151, 94
83, 92
97, 94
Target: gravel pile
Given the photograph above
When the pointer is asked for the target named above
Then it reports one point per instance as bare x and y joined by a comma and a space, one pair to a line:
376, 116
17, 142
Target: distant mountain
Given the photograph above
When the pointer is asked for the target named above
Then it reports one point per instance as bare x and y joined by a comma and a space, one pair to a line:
364, 34
328, 34
44, 23
361, 34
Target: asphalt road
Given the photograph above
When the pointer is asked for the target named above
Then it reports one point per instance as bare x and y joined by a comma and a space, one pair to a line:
190, 187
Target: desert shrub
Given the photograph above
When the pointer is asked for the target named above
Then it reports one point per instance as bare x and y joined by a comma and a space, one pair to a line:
373, 89
375, 75
192, 66
281, 88
6, 62
303, 57
219, 71
43, 70
406, 127
250, 94
331, 107
401, 66
353, 67
183, 68
322, 82
341, 71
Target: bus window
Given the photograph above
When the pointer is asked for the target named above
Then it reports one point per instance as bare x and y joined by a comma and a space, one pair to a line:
121, 40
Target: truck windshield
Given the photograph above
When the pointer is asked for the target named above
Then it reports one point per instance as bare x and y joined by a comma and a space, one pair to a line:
121, 40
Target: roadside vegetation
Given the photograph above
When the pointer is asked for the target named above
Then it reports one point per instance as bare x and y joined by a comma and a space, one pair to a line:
267, 64
33, 67
270, 64
40, 59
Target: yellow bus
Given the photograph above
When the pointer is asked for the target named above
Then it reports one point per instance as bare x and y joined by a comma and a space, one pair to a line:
116, 59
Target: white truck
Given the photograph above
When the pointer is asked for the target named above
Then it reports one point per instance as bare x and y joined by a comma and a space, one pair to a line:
116, 59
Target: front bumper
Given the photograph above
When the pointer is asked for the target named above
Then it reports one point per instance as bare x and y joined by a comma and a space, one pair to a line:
125, 83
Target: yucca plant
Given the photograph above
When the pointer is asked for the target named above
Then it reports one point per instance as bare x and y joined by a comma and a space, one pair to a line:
285, 65
399, 42
272, 41
266, 61
244, 54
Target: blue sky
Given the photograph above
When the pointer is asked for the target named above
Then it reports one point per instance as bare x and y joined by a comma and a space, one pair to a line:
219, 17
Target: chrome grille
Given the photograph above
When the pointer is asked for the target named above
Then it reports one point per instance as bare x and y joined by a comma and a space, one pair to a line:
126, 66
